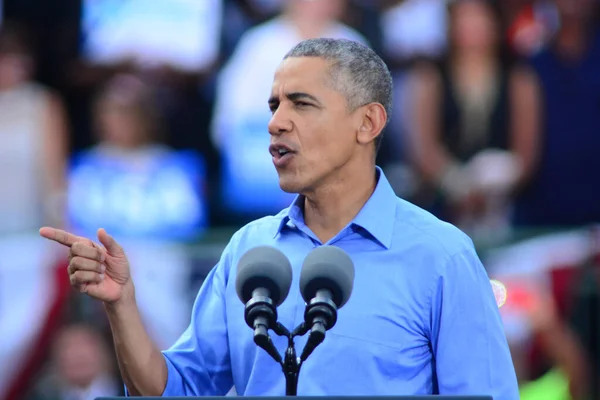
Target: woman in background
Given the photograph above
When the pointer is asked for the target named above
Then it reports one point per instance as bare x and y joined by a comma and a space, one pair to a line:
472, 114
33, 141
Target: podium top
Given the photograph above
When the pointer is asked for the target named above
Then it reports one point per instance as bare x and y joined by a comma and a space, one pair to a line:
437, 397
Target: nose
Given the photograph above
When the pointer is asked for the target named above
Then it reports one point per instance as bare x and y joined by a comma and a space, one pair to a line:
280, 123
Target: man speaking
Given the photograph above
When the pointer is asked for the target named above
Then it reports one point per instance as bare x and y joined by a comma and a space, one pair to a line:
422, 318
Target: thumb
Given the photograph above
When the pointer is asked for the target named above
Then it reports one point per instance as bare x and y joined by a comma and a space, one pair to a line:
109, 243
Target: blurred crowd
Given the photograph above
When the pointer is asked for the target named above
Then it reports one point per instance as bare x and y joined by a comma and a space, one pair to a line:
149, 118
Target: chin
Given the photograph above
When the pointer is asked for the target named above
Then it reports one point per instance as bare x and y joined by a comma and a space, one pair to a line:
290, 185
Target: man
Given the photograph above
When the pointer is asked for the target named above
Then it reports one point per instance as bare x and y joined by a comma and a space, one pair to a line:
422, 317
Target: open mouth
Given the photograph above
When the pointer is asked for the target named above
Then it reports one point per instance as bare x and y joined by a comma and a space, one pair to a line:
281, 154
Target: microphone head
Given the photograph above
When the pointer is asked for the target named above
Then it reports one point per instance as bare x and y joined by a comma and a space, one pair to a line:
264, 267
327, 267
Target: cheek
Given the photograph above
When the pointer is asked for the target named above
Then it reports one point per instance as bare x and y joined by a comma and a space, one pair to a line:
330, 149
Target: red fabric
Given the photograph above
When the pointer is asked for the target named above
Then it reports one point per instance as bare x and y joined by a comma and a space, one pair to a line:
40, 348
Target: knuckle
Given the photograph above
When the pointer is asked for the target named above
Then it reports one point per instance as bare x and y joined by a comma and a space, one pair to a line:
72, 265
97, 255
82, 277
95, 265
82, 263
76, 262
76, 248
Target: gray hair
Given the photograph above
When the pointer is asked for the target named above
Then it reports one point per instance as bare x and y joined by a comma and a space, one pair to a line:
356, 71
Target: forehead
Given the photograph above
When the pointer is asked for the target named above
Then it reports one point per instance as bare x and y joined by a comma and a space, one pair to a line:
302, 73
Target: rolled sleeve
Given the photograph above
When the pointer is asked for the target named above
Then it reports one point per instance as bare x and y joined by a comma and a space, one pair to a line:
468, 341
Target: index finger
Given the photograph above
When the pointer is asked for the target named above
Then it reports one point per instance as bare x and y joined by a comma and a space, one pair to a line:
60, 236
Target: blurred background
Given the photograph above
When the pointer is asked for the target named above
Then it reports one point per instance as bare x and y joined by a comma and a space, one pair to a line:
149, 118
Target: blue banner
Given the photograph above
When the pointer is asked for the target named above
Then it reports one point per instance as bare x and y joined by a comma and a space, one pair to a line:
161, 198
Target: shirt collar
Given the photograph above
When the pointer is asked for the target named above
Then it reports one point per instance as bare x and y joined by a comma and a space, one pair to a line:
377, 216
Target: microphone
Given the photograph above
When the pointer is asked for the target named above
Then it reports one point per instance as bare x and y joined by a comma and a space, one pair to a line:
326, 283
263, 281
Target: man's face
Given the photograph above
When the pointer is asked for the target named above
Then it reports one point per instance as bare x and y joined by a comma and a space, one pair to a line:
312, 121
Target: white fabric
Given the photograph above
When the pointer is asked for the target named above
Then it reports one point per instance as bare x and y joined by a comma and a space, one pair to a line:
161, 271
182, 33
21, 124
27, 293
415, 28
103, 386
535, 258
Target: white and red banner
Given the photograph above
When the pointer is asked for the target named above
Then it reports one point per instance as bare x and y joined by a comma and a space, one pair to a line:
34, 289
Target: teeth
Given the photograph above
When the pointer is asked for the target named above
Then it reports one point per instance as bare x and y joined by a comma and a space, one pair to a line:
282, 152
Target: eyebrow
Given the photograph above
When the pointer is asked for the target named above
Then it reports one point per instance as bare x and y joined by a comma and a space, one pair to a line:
295, 96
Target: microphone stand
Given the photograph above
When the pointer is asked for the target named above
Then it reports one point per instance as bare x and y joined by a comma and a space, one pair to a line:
291, 363
261, 315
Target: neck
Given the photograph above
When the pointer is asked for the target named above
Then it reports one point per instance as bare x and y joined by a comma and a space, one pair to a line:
308, 29
474, 61
333, 206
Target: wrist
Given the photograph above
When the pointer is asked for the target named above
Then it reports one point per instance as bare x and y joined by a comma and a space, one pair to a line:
126, 302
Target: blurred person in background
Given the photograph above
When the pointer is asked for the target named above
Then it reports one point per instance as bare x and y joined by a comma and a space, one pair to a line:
127, 120
80, 367
412, 30
529, 315
141, 188
33, 139
563, 191
33, 151
240, 119
471, 114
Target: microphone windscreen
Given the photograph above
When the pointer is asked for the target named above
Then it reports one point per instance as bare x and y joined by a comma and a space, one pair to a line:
327, 267
264, 267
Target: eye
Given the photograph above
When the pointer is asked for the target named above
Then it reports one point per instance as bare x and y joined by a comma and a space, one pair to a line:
273, 108
302, 104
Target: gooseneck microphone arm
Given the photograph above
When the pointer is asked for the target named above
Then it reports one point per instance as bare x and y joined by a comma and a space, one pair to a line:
290, 365
261, 314
320, 316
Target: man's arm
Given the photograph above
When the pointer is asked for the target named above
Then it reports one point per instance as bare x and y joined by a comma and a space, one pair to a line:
142, 365
468, 341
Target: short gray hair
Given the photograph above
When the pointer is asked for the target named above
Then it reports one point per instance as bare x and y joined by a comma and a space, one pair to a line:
356, 71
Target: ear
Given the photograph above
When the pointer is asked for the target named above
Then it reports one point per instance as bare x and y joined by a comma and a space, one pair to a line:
373, 121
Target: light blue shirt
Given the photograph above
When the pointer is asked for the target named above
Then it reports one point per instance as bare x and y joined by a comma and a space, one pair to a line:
422, 318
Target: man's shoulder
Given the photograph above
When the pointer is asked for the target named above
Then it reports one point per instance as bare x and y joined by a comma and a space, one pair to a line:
258, 232
425, 230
